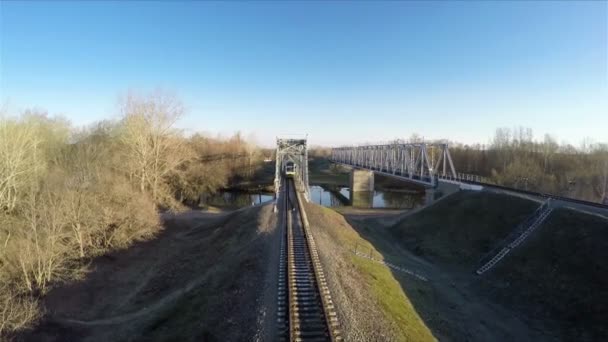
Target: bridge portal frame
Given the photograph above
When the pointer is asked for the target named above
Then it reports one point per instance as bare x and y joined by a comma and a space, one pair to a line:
408, 160
296, 151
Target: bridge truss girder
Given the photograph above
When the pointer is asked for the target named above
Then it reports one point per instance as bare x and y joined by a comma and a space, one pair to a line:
295, 150
417, 161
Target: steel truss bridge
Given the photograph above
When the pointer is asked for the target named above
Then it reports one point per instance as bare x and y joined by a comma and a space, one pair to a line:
296, 151
422, 163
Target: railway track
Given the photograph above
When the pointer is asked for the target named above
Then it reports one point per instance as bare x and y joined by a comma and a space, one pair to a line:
532, 193
305, 309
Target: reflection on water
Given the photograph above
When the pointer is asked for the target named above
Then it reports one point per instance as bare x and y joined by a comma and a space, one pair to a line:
337, 198
341, 196
325, 196
237, 199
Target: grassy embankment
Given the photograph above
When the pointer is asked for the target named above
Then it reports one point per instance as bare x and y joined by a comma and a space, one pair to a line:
462, 228
560, 273
376, 279
447, 236
556, 281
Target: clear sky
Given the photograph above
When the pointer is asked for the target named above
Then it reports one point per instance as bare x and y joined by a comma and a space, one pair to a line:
343, 72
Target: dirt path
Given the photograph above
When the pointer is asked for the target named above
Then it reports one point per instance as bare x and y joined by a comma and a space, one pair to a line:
146, 311
198, 280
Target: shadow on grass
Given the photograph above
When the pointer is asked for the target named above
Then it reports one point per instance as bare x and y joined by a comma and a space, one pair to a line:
559, 273
418, 291
443, 243
535, 295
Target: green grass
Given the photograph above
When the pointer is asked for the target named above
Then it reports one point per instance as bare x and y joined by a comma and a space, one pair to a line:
378, 278
393, 300
462, 228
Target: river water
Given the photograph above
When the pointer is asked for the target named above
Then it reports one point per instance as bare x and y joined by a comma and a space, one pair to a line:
384, 198
334, 197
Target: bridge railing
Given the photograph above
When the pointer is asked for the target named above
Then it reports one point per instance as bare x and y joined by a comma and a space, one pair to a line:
466, 177
425, 175
418, 161
426, 163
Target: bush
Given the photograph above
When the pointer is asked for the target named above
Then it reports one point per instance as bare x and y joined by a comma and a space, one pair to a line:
125, 214
67, 196
16, 312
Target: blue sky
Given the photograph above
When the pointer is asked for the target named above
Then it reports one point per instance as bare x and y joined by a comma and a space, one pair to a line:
343, 72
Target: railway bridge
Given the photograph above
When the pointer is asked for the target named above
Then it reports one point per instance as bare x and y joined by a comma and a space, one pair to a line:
428, 165
420, 163
295, 151
305, 309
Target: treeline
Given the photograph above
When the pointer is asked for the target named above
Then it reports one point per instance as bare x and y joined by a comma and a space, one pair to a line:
515, 159
67, 195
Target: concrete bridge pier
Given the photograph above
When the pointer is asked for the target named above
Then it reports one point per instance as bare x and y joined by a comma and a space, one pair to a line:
429, 196
361, 180
362, 199
361, 188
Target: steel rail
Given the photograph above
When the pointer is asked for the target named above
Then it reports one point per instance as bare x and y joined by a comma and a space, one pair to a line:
534, 193
310, 312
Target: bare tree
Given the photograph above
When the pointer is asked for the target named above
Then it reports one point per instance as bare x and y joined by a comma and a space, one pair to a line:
35, 250
251, 149
501, 144
153, 147
20, 160
549, 148
16, 312
605, 191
